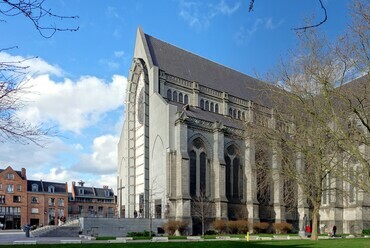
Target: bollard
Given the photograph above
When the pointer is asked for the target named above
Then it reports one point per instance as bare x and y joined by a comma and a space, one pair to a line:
247, 237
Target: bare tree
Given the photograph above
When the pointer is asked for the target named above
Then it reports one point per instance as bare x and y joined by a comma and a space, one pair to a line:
202, 208
13, 74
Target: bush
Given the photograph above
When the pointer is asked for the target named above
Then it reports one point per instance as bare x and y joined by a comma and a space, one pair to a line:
210, 232
219, 226
282, 227
366, 231
172, 225
139, 234
237, 226
260, 227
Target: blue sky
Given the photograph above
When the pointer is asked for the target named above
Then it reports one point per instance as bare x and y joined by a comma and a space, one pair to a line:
79, 78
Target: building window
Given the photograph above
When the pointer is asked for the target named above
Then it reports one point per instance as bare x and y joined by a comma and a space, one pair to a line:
60, 212
233, 173
35, 188
351, 188
91, 209
239, 115
51, 201
9, 176
2, 199
51, 189
201, 105
34, 199
1, 186
198, 168
234, 114
100, 210
211, 108
34, 210
106, 193
9, 188
216, 108
81, 191
207, 106
181, 99
80, 209
230, 112
110, 211
174, 96
19, 188
16, 198
243, 116
61, 202
186, 99
169, 94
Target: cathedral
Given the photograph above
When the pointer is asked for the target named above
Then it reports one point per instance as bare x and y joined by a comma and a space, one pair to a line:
185, 136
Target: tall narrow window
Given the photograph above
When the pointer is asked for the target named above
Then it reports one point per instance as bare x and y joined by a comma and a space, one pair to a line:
211, 108
233, 174
207, 106
181, 100
169, 95
228, 178
193, 173
239, 115
243, 116
201, 105
230, 112
186, 99
216, 108
234, 113
174, 96
202, 172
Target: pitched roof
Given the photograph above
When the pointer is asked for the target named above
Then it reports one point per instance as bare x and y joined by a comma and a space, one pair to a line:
59, 188
191, 67
92, 192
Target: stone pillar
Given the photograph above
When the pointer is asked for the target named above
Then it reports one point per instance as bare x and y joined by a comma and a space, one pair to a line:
219, 182
183, 200
196, 91
251, 181
225, 103
278, 184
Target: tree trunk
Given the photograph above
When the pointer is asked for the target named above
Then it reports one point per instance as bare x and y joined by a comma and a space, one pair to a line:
315, 220
202, 227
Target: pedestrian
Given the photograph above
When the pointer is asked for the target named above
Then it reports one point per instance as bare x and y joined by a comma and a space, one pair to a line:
334, 230
135, 214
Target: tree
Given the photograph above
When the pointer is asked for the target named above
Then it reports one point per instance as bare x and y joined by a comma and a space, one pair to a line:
202, 208
13, 74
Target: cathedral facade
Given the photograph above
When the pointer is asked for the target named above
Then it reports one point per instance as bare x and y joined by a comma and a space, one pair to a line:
186, 135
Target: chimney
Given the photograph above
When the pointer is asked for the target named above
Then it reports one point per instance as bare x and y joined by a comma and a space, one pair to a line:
23, 173
81, 183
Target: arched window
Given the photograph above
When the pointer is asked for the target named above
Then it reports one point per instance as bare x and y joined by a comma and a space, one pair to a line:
239, 115
198, 168
233, 180
230, 112
35, 187
51, 189
211, 108
243, 116
201, 105
174, 96
234, 114
186, 99
207, 106
169, 95
181, 100
216, 108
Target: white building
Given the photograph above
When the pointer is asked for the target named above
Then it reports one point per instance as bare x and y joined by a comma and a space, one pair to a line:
184, 134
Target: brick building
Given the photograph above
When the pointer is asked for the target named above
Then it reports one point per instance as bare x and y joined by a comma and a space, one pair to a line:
91, 201
13, 198
47, 201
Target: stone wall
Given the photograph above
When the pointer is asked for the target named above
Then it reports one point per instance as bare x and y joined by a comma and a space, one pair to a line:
117, 227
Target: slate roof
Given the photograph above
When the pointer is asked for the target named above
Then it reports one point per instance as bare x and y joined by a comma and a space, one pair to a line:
59, 188
92, 192
191, 67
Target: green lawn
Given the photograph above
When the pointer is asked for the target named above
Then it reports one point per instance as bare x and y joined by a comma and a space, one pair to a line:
338, 243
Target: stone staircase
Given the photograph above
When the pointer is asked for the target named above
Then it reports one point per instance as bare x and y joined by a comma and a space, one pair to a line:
69, 229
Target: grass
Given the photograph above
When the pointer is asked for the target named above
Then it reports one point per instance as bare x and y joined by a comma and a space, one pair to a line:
333, 243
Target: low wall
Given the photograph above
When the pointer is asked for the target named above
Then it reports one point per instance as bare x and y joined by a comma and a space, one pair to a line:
117, 227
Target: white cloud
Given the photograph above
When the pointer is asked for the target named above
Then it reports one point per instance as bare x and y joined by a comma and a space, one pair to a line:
56, 174
73, 105
103, 158
110, 64
119, 54
35, 66
199, 15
